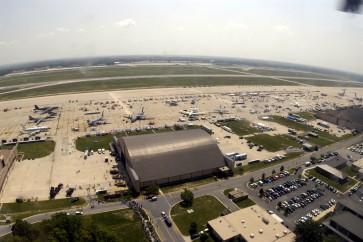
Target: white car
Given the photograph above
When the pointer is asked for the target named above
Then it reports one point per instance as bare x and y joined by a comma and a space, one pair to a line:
79, 213
163, 214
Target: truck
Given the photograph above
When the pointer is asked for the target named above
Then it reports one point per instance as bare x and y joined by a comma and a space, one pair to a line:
208, 130
227, 129
277, 218
240, 156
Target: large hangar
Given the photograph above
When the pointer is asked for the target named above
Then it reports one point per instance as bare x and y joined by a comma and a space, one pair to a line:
170, 157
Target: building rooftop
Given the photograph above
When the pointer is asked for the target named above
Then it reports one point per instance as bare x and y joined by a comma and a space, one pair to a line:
353, 205
170, 154
359, 163
349, 222
332, 171
335, 161
253, 224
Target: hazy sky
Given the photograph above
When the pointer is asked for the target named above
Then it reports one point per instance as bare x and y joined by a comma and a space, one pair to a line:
308, 32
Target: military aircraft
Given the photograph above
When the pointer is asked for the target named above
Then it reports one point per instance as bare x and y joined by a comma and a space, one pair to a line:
139, 116
192, 113
221, 110
97, 121
45, 109
40, 119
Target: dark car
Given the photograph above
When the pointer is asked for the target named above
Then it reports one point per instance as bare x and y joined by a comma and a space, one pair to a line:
168, 222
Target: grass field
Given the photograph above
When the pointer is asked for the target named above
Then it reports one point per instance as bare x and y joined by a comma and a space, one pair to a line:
343, 188
348, 170
245, 203
34, 150
204, 209
23, 210
110, 71
262, 165
91, 86
273, 143
324, 83
285, 73
93, 143
306, 115
124, 223
240, 127
188, 185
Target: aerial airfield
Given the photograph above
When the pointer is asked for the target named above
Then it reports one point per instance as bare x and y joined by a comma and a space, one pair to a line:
96, 113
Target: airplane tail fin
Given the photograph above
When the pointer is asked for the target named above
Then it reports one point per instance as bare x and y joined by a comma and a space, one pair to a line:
142, 110
36, 107
23, 127
31, 118
102, 114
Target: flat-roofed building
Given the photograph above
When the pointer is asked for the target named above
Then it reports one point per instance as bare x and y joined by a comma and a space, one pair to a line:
170, 157
337, 162
237, 195
249, 224
7, 158
347, 222
358, 167
332, 173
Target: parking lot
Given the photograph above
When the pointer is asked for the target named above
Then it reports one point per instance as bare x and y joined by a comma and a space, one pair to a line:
298, 196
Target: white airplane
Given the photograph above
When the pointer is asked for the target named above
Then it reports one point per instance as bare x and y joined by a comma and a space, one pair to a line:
297, 104
35, 129
192, 113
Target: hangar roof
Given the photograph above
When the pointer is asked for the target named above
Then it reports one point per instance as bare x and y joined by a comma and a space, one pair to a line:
169, 154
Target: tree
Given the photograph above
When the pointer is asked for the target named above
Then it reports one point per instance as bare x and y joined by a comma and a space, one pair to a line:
282, 168
193, 228
187, 197
193, 225
252, 179
23, 229
263, 176
153, 189
279, 204
330, 238
261, 191
273, 171
204, 237
308, 231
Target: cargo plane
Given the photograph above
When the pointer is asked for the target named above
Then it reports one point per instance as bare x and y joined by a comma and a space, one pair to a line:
97, 121
45, 109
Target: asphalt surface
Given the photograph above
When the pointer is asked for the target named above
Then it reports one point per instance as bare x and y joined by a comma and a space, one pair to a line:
166, 201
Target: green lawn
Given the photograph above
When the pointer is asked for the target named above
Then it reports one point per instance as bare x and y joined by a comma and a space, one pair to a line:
241, 127
26, 209
306, 115
205, 208
245, 203
34, 150
325, 83
261, 165
290, 73
343, 188
124, 223
290, 124
225, 192
93, 143
188, 185
273, 143
348, 170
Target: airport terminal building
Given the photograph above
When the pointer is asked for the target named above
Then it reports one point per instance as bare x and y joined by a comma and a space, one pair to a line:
170, 157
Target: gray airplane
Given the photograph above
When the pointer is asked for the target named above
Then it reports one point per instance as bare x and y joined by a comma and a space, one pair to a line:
139, 116
40, 119
97, 121
45, 109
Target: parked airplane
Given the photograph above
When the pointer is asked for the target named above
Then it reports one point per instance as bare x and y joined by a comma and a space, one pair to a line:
97, 121
221, 110
35, 129
40, 119
45, 109
139, 116
297, 104
194, 112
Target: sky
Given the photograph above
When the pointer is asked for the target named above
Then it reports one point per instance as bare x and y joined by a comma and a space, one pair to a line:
308, 32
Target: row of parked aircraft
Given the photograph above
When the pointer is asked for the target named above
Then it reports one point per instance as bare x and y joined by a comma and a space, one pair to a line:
50, 113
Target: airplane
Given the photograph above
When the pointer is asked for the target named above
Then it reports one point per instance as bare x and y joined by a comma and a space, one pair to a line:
192, 113
40, 119
221, 110
296, 104
45, 109
96, 121
35, 129
139, 116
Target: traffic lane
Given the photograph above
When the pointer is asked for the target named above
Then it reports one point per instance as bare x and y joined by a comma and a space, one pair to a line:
155, 208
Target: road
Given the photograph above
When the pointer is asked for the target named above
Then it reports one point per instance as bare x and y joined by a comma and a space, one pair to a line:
166, 201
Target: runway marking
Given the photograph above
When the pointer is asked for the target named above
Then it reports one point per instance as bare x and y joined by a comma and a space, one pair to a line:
127, 110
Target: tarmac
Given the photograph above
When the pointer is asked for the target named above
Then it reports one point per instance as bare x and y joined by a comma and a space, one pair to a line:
33, 178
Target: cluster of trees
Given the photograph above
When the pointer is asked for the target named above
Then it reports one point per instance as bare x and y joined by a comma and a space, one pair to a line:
61, 227
187, 198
